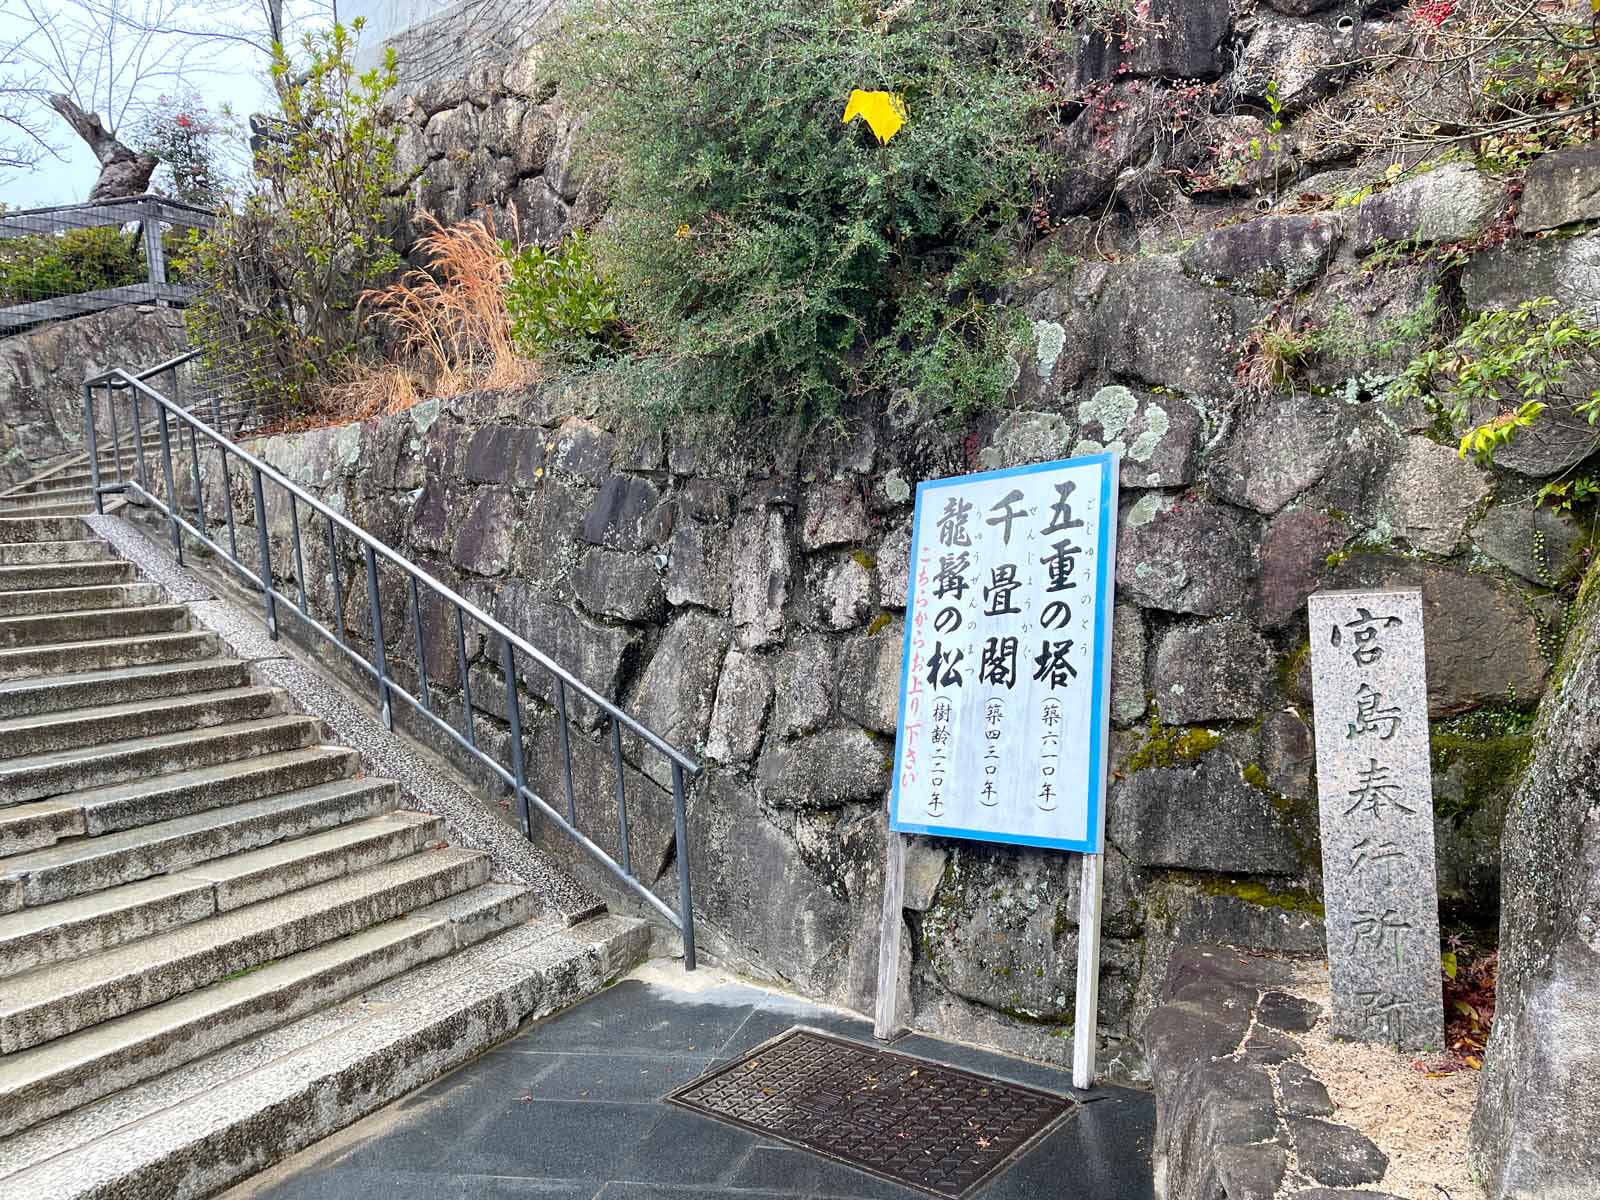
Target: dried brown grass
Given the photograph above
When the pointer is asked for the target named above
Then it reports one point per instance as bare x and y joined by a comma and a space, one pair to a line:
450, 319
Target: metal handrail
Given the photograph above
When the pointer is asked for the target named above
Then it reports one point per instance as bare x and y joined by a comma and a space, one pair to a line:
136, 386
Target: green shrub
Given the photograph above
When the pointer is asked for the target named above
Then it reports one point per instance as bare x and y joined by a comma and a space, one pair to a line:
558, 300
281, 276
768, 255
79, 260
1503, 370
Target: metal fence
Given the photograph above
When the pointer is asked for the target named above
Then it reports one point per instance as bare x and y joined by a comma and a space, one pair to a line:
197, 489
51, 266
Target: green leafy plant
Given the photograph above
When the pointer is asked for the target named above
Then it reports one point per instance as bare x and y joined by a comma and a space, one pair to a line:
1515, 363
79, 260
282, 274
184, 135
769, 256
558, 300
1564, 495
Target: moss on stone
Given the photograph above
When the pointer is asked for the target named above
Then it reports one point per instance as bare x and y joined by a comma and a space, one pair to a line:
879, 624
1169, 745
1253, 891
1484, 767
864, 559
1291, 665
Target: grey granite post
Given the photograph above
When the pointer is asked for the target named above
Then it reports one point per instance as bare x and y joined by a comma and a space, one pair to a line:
1375, 789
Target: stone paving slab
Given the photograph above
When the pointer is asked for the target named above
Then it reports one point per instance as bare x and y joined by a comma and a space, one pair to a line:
572, 1109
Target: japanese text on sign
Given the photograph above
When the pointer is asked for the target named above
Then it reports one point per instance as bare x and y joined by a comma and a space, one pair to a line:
1004, 693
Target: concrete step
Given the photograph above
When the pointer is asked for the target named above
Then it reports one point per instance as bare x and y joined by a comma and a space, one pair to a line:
59, 490
40, 1083
38, 824
42, 529
51, 733
89, 864
30, 662
129, 685
210, 1123
93, 625
44, 554
55, 1001
48, 502
80, 509
70, 929
33, 576
39, 776
60, 600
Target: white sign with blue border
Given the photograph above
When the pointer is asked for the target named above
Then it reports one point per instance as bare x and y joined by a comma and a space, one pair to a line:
1005, 687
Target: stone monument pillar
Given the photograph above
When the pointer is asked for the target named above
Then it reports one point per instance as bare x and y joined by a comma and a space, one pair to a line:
1375, 790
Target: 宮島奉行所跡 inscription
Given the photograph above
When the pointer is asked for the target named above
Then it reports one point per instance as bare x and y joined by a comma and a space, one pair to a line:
1369, 688
1003, 705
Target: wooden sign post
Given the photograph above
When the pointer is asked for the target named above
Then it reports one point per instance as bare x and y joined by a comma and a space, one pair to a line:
1005, 689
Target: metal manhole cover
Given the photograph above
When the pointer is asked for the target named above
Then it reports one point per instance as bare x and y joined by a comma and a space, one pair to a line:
908, 1120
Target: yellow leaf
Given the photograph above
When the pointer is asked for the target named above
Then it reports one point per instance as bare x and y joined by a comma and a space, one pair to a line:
885, 113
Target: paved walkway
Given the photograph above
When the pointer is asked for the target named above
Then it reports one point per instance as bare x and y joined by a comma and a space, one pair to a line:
571, 1109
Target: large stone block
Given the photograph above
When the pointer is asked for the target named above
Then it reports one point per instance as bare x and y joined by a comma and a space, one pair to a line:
1218, 671
483, 545
838, 593
761, 572
1430, 494
1483, 642
1158, 436
697, 570
869, 686
625, 587
1561, 188
753, 883
1185, 557
1175, 39
1565, 269
1452, 203
1542, 545
674, 694
1202, 816
504, 454
806, 687
1278, 451
1128, 647
1300, 60
833, 515
627, 514
744, 695
599, 655
1296, 551
1268, 255
1003, 932
1533, 1132
826, 770
1155, 323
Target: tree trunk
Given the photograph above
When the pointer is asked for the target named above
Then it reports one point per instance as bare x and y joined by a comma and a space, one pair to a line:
122, 172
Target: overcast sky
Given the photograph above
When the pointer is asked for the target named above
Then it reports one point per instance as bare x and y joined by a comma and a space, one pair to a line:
221, 73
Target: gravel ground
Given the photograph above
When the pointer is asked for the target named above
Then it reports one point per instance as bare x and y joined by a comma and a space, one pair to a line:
1417, 1114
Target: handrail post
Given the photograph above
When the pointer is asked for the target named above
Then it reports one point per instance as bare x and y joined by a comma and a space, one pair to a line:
680, 820
385, 711
264, 552
94, 448
166, 475
518, 767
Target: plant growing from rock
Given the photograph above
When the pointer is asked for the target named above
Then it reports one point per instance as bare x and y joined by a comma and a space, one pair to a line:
558, 301
768, 255
1502, 372
281, 275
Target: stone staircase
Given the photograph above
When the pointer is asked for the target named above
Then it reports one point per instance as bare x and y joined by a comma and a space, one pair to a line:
187, 864
62, 489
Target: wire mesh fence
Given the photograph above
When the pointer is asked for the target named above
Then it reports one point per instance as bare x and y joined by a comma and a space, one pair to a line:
75, 259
